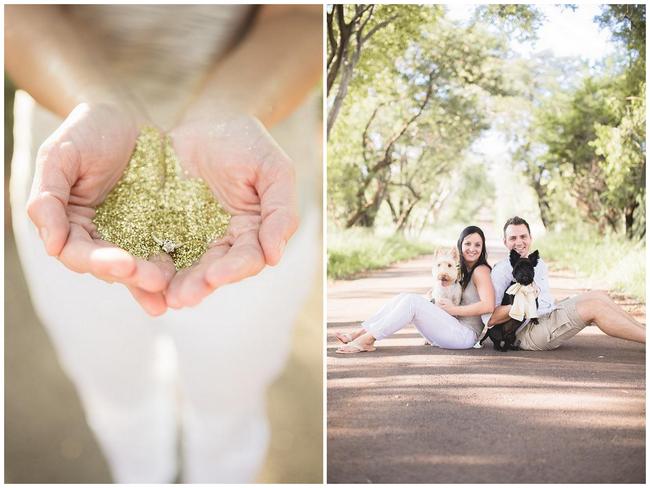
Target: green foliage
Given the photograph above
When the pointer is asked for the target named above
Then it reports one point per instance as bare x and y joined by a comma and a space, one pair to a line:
425, 89
623, 148
517, 20
608, 260
582, 143
475, 190
362, 40
353, 251
627, 24
404, 23
566, 124
400, 137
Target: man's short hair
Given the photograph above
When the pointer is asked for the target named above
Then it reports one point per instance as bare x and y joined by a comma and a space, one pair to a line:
515, 221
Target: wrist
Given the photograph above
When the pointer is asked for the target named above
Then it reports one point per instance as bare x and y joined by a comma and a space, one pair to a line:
211, 110
118, 100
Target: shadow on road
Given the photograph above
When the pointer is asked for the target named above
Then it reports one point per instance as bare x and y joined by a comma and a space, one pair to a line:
410, 413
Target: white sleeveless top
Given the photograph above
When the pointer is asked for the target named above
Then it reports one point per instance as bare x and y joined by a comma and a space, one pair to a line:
470, 295
162, 52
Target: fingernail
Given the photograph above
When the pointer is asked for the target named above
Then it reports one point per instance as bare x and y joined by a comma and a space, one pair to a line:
43, 233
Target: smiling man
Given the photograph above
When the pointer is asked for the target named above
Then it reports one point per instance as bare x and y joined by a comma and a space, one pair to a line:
559, 321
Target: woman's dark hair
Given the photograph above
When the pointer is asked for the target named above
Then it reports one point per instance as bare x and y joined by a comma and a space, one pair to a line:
465, 274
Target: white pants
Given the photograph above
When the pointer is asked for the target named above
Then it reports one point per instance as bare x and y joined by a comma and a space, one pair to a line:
214, 361
436, 325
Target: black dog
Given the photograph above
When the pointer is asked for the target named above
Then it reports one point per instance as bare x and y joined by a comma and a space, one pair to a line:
523, 271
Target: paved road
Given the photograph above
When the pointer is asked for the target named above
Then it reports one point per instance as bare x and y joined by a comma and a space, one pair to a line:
411, 413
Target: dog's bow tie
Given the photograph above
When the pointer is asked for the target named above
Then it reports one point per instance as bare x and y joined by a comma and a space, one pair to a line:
523, 305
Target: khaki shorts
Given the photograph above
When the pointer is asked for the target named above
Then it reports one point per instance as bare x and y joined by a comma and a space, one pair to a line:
553, 329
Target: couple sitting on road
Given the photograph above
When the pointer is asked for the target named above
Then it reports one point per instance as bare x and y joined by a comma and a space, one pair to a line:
460, 326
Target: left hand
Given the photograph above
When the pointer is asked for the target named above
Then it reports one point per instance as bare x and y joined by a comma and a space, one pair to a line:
254, 180
447, 305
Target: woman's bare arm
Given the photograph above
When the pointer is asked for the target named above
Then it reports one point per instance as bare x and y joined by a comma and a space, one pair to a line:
50, 59
270, 71
223, 137
483, 283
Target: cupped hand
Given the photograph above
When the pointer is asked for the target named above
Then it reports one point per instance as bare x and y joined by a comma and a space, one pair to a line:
255, 181
76, 167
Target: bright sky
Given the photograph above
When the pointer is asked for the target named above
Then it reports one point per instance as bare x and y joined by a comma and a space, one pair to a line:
569, 33
565, 33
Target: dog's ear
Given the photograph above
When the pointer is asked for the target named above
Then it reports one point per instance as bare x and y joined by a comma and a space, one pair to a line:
454, 253
514, 257
534, 257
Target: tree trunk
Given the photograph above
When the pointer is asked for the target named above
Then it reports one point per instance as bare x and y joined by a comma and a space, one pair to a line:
629, 219
404, 217
339, 52
346, 77
367, 211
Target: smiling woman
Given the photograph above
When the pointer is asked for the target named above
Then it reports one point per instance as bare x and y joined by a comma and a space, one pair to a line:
232, 88
446, 323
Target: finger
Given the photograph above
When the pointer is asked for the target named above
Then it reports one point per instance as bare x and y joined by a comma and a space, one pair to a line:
166, 265
245, 258
278, 202
56, 171
152, 303
188, 287
121, 266
83, 216
84, 255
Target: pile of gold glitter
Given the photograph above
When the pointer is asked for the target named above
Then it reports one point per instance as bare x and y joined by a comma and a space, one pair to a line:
153, 209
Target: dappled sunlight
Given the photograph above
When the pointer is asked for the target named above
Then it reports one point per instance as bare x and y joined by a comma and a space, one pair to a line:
595, 420
485, 381
554, 401
455, 459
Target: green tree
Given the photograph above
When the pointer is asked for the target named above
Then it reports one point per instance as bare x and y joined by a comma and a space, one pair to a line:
417, 121
514, 20
624, 166
375, 32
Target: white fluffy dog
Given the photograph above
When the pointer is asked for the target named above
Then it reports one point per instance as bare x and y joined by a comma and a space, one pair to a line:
445, 271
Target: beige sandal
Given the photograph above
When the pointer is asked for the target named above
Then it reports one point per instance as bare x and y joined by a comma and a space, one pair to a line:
354, 348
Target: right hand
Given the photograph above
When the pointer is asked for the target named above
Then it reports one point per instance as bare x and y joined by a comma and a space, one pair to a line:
76, 168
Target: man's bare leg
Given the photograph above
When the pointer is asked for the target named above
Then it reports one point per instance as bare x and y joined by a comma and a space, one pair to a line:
598, 308
603, 295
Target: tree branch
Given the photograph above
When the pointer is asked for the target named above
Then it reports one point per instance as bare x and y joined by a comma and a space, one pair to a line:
379, 26
364, 137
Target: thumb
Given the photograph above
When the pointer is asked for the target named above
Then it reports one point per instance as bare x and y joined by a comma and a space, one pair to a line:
278, 202
56, 171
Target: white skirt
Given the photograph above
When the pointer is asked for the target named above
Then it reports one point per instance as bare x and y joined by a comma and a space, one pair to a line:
228, 348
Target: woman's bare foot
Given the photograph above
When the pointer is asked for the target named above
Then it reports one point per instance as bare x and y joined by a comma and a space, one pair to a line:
346, 338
